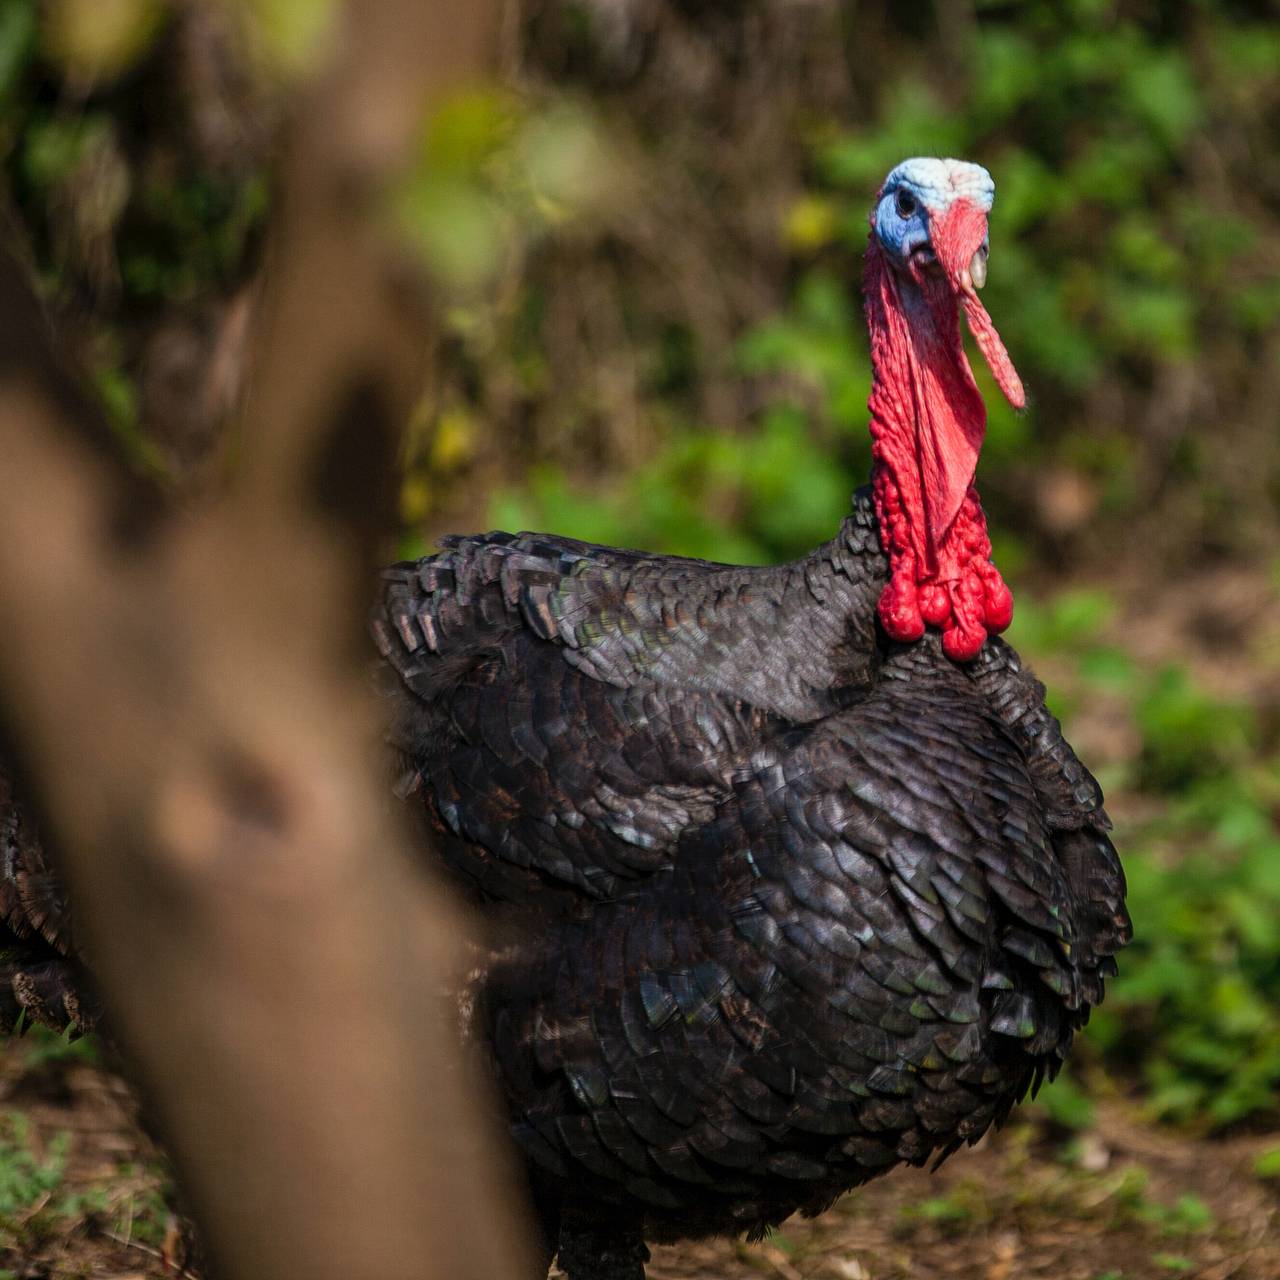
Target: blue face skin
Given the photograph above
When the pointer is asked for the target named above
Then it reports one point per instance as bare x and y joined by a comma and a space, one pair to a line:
902, 224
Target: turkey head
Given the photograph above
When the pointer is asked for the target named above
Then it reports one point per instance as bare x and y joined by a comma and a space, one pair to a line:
926, 259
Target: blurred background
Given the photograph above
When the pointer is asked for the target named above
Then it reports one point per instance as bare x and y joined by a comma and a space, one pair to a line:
646, 233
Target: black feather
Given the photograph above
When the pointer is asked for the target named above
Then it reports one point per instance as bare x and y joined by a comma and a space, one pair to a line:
799, 904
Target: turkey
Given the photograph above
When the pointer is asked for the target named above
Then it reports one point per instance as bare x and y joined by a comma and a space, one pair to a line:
793, 875
789, 875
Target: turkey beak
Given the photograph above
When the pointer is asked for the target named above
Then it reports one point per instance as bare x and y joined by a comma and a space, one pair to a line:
978, 267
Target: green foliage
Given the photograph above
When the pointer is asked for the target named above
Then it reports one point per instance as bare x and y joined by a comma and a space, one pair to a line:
43, 1207
1197, 1005
821, 343
97, 39
42, 1047
26, 1178
29, 1178
704, 495
1188, 736
1121, 1198
492, 175
289, 37
17, 39
1131, 1202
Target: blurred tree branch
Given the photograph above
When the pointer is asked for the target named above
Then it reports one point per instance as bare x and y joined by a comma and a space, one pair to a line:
187, 703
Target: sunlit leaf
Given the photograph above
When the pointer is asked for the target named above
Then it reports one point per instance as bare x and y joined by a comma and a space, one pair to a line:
290, 37
96, 40
17, 37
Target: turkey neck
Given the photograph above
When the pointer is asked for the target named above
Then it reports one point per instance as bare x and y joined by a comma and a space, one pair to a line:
842, 582
927, 426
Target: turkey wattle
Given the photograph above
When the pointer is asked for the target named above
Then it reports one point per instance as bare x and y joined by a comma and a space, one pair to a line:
792, 876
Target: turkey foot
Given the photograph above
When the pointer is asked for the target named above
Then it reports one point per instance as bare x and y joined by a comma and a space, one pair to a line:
601, 1248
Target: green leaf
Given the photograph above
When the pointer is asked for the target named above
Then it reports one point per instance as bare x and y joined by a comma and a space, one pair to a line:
17, 39
94, 40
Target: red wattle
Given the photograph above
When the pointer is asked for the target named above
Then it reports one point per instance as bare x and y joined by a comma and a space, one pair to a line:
965, 633
935, 604
999, 599
927, 425
899, 611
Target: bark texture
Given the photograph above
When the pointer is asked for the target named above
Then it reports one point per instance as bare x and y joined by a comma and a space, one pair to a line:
185, 699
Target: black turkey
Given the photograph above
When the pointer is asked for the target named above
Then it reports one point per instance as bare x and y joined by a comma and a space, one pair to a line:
791, 876
796, 876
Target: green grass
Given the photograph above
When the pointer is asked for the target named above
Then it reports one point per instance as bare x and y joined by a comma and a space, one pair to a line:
47, 1214
30, 1177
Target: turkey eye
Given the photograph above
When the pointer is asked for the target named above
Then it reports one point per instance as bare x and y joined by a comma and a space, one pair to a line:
905, 203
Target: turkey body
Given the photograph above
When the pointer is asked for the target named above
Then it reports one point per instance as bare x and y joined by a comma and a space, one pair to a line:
779, 903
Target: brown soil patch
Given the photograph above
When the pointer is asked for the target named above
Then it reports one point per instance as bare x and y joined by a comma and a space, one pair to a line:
1121, 1202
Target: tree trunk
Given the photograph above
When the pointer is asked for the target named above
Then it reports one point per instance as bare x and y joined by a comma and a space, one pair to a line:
186, 698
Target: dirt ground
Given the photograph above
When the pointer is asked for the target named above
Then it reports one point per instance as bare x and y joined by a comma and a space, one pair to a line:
84, 1194
1121, 1202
